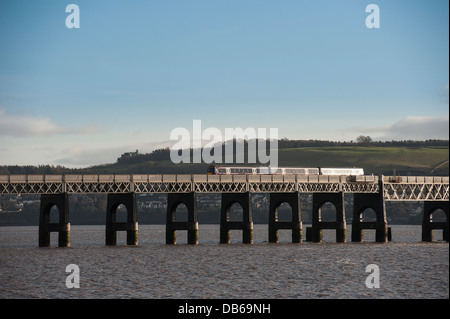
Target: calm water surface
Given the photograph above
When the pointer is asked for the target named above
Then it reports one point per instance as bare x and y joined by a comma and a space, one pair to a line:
408, 267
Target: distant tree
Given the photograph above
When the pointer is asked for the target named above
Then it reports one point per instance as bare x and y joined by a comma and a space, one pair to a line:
364, 139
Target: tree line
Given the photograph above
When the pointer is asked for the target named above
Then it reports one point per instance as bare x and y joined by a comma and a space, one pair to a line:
162, 155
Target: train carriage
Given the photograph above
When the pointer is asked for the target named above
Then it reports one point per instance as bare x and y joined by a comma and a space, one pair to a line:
230, 170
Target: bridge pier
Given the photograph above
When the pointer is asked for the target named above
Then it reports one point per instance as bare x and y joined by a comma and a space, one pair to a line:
61, 201
375, 201
427, 222
337, 199
190, 200
293, 199
130, 226
243, 199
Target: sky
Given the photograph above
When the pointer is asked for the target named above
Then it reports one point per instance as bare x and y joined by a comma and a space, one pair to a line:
136, 70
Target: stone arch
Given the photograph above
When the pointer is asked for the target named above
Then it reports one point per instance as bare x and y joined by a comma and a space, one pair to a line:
431, 207
375, 202
294, 224
62, 226
246, 225
337, 200
189, 200
130, 225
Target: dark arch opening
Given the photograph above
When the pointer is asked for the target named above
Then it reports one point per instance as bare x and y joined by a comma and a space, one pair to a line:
180, 212
327, 212
121, 214
283, 212
235, 212
53, 217
53, 212
438, 216
368, 215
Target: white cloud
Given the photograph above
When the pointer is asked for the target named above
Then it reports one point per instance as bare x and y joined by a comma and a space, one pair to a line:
15, 125
410, 128
23, 126
418, 128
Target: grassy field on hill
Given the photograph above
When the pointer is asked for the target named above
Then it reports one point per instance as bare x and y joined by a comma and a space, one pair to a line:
374, 160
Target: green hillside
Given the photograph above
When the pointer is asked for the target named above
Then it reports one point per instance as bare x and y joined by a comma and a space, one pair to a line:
377, 158
374, 159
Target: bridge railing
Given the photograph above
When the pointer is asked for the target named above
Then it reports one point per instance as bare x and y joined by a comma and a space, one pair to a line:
395, 188
416, 188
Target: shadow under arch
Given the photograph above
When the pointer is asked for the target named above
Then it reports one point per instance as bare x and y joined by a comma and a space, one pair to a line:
189, 200
337, 200
430, 208
369, 202
246, 225
128, 200
295, 223
46, 226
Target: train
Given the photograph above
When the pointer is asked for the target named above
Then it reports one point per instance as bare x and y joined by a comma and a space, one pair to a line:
229, 170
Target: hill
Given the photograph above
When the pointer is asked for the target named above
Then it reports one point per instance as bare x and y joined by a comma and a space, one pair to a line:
388, 158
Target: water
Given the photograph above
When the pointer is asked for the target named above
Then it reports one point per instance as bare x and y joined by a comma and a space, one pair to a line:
408, 267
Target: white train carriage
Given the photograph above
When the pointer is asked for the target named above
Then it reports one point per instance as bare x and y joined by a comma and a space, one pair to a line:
341, 171
222, 170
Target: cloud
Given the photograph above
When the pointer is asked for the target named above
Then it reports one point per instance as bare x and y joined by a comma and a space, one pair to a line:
14, 125
411, 128
22, 126
418, 128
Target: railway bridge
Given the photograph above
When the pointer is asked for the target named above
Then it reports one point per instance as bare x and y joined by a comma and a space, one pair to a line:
369, 191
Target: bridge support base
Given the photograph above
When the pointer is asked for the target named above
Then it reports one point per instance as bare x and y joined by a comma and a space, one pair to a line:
243, 199
377, 203
319, 199
190, 200
427, 222
61, 201
293, 199
130, 226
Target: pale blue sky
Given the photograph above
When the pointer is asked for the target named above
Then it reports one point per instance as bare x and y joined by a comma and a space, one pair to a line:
135, 70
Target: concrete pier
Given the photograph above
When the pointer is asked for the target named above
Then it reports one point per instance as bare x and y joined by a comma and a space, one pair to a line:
427, 222
62, 227
172, 225
337, 199
375, 201
130, 226
295, 224
246, 225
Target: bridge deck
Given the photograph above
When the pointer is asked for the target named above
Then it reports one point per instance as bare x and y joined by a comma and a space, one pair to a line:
395, 188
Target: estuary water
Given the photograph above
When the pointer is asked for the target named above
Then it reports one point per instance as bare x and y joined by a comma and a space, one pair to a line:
407, 267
